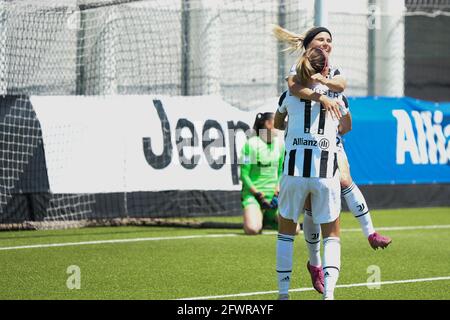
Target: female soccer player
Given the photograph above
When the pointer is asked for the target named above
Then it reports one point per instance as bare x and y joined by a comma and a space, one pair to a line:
333, 79
317, 37
261, 165
351, 193
310, 167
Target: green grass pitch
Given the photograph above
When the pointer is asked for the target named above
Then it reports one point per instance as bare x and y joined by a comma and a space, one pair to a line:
229, 264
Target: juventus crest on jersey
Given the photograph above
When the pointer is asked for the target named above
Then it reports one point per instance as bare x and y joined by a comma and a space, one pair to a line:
310, 138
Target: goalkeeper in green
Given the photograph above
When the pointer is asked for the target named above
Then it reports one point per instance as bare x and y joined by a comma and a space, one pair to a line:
261, 168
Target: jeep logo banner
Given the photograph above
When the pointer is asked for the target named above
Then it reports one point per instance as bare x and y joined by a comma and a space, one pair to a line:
146, 143
142, 143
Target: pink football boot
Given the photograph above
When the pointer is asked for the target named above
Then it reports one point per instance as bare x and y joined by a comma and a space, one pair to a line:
316, 277
376, 241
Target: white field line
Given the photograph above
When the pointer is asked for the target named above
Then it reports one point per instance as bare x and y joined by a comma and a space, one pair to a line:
364, 284
224, 235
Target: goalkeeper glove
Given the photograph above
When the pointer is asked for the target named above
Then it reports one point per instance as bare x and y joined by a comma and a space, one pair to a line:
274, 202
262, 201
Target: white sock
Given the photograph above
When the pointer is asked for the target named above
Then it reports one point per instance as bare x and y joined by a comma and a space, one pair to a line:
311, 233
285, 249
331, 265
358, 206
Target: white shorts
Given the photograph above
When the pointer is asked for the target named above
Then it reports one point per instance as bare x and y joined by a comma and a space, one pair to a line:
325, 198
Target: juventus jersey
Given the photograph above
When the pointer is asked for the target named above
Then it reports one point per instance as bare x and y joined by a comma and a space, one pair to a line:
345, 109
310, 138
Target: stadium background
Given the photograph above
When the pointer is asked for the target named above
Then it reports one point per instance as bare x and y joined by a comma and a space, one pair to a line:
224, 49
92, 94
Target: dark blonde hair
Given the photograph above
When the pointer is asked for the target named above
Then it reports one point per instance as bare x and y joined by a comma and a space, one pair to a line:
313, 61
294, 40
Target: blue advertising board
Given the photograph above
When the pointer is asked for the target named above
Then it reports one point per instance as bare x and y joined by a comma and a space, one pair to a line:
399, 141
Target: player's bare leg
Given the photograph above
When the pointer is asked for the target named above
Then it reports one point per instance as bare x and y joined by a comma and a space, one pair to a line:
358, 206
253, 219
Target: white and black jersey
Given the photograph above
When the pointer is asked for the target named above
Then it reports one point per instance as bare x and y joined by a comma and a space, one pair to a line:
345, 109
309, 140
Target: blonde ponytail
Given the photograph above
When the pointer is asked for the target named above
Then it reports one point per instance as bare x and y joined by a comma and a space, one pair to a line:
304, 71
295, 41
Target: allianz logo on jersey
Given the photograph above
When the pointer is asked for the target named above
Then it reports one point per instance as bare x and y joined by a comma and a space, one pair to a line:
423, 137
322, 144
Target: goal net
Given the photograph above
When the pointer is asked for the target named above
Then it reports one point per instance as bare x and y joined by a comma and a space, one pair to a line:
165, 48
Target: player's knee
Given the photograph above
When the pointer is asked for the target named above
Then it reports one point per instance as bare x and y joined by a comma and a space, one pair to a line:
252, 227
252, 230
346, 181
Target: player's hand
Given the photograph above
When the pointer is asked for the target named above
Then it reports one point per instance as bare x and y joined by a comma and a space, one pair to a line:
331, 106
319, 78
274, 202
262, 201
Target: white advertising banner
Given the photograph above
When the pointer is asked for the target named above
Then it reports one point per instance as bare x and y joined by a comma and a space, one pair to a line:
142, 143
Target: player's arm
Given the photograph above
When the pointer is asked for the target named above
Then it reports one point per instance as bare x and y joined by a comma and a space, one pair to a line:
246, 167
336, 84
281, 113
305, 93
280, 168
280, 120
274, 201
345, 124
246, 178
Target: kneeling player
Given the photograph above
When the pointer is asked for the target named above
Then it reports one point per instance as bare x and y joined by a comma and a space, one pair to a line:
261, 163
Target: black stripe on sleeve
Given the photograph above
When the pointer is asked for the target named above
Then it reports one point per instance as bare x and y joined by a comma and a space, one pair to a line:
307, 163
282, 97
307, 115
291, 170
345, 100
284, 160
323, 164
322, 120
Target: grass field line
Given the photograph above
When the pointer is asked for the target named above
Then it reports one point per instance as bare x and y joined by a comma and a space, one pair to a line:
224, 235
364, 284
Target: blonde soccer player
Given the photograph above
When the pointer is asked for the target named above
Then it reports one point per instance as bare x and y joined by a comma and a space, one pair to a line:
335, 83
310, 168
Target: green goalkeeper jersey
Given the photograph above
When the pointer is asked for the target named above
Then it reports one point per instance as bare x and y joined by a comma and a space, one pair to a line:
261, 165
